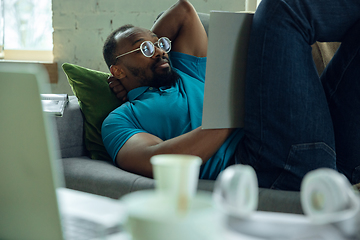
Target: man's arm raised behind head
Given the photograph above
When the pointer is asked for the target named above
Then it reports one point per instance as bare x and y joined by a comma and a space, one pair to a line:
181, 24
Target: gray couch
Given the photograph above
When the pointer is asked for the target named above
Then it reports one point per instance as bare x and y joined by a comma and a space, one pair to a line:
103, 178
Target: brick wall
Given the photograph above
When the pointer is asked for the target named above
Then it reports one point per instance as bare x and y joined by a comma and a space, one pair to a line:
81, 27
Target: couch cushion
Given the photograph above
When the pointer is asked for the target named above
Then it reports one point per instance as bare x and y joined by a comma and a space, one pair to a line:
70, 130
102, 178
322, 54
96, 101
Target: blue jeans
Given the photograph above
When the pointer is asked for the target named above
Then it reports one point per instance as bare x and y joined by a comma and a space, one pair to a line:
295, 120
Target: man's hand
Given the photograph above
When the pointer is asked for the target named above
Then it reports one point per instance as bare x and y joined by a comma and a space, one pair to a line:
117, 88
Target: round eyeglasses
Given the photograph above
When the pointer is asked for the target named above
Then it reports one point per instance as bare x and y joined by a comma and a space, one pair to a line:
147, 48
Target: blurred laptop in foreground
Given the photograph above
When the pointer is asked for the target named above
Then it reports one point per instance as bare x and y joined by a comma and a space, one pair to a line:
33, 201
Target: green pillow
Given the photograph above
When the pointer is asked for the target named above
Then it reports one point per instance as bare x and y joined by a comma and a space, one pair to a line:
96, 101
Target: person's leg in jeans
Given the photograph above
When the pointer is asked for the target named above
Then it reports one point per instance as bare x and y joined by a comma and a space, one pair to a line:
288, 126
341, 81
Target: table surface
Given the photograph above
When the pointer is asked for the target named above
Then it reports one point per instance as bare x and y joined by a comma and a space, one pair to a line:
259, 225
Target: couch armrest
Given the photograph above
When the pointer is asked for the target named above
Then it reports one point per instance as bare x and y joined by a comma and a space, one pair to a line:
70, 130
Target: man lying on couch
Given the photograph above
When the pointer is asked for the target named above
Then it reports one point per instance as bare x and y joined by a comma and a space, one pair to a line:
292, 123
164, 111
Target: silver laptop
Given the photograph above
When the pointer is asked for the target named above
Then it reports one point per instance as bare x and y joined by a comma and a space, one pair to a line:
224, 95
31, 181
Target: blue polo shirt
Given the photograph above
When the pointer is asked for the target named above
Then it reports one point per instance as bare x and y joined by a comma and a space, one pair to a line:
168, 112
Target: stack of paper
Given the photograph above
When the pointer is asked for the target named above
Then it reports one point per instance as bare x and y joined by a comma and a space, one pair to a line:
54, 103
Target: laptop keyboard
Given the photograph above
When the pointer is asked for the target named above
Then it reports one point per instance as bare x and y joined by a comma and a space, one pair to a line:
82, 229
88, 216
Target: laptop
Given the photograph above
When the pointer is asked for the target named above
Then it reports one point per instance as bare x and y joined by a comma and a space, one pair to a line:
224, 94
33, 201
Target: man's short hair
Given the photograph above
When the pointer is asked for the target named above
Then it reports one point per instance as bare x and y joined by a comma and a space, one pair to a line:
110, 45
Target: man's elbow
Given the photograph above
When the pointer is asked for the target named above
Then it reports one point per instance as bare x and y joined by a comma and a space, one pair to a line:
136, 166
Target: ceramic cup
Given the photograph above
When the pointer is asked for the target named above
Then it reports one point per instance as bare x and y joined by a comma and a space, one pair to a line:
176, 178
148, 218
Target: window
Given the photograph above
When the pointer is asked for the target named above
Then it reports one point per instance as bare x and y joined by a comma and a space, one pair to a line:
251, 5
28, 29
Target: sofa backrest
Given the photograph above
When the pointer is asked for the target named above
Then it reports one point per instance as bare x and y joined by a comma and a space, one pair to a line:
70, 130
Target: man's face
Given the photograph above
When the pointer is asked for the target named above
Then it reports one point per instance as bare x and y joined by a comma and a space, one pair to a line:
152, 71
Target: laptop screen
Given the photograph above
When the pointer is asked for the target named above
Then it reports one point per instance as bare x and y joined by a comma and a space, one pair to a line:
28, 179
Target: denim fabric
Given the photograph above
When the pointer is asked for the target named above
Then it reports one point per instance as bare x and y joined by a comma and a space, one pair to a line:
295, 120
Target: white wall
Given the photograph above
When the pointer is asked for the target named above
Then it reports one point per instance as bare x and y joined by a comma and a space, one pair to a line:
81, 27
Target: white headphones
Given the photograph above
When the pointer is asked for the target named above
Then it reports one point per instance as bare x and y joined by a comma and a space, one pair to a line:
327, 197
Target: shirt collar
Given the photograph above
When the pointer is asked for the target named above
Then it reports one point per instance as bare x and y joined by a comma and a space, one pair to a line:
133, 94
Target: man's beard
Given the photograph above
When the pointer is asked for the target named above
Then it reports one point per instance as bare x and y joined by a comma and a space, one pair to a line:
166, 79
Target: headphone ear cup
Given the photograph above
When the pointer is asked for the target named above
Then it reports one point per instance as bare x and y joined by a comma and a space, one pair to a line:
325, 192
327, 197
236, 190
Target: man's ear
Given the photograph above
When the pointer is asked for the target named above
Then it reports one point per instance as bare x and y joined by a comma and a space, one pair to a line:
117, 71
